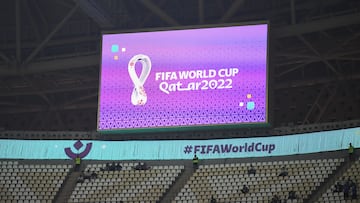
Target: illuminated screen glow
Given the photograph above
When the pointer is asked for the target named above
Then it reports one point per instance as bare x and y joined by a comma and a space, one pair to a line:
184, 78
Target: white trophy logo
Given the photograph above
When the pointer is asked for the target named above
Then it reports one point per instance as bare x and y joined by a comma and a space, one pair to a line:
138, 96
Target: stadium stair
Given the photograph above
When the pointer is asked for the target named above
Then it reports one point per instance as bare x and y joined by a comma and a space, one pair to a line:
342, 168
179, 183
67, 188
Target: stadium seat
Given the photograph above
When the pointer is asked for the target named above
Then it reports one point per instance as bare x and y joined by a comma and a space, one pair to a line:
29, 182
217, 179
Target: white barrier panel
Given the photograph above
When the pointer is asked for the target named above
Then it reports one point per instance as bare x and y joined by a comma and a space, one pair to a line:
181, 149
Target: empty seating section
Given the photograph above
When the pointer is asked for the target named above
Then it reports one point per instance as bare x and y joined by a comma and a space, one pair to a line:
354, 174
127, 185
225, 181
30, 183
33, 183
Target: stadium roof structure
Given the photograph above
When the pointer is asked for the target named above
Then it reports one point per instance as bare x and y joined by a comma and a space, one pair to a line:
50, 55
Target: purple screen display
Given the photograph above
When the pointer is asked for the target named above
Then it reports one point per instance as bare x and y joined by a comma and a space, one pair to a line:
194, 77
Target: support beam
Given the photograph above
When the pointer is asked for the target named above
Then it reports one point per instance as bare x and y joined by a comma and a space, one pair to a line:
59, 119
38, 11
18, 30
16, 104
51, 34
36, 118
159, 12
295, 62
201, 11
294, 59
314, 82
5, 58
32, 20
36, 88
317, 25
347, 58
344, 43
324, 107
49, 103
82, 98
64, 4
319, 106
53, 65
232, 10
148, 15
62, 42
89, 87
46, 109
96, 12
294, 56
293, 12
327, 63
293, 69
315, 106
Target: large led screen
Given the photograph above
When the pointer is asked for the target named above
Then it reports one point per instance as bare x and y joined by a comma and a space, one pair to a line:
184, 78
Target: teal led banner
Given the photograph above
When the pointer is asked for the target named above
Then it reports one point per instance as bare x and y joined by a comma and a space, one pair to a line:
181, 149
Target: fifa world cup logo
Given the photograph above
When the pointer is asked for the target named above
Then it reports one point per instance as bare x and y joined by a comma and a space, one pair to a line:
138, 96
